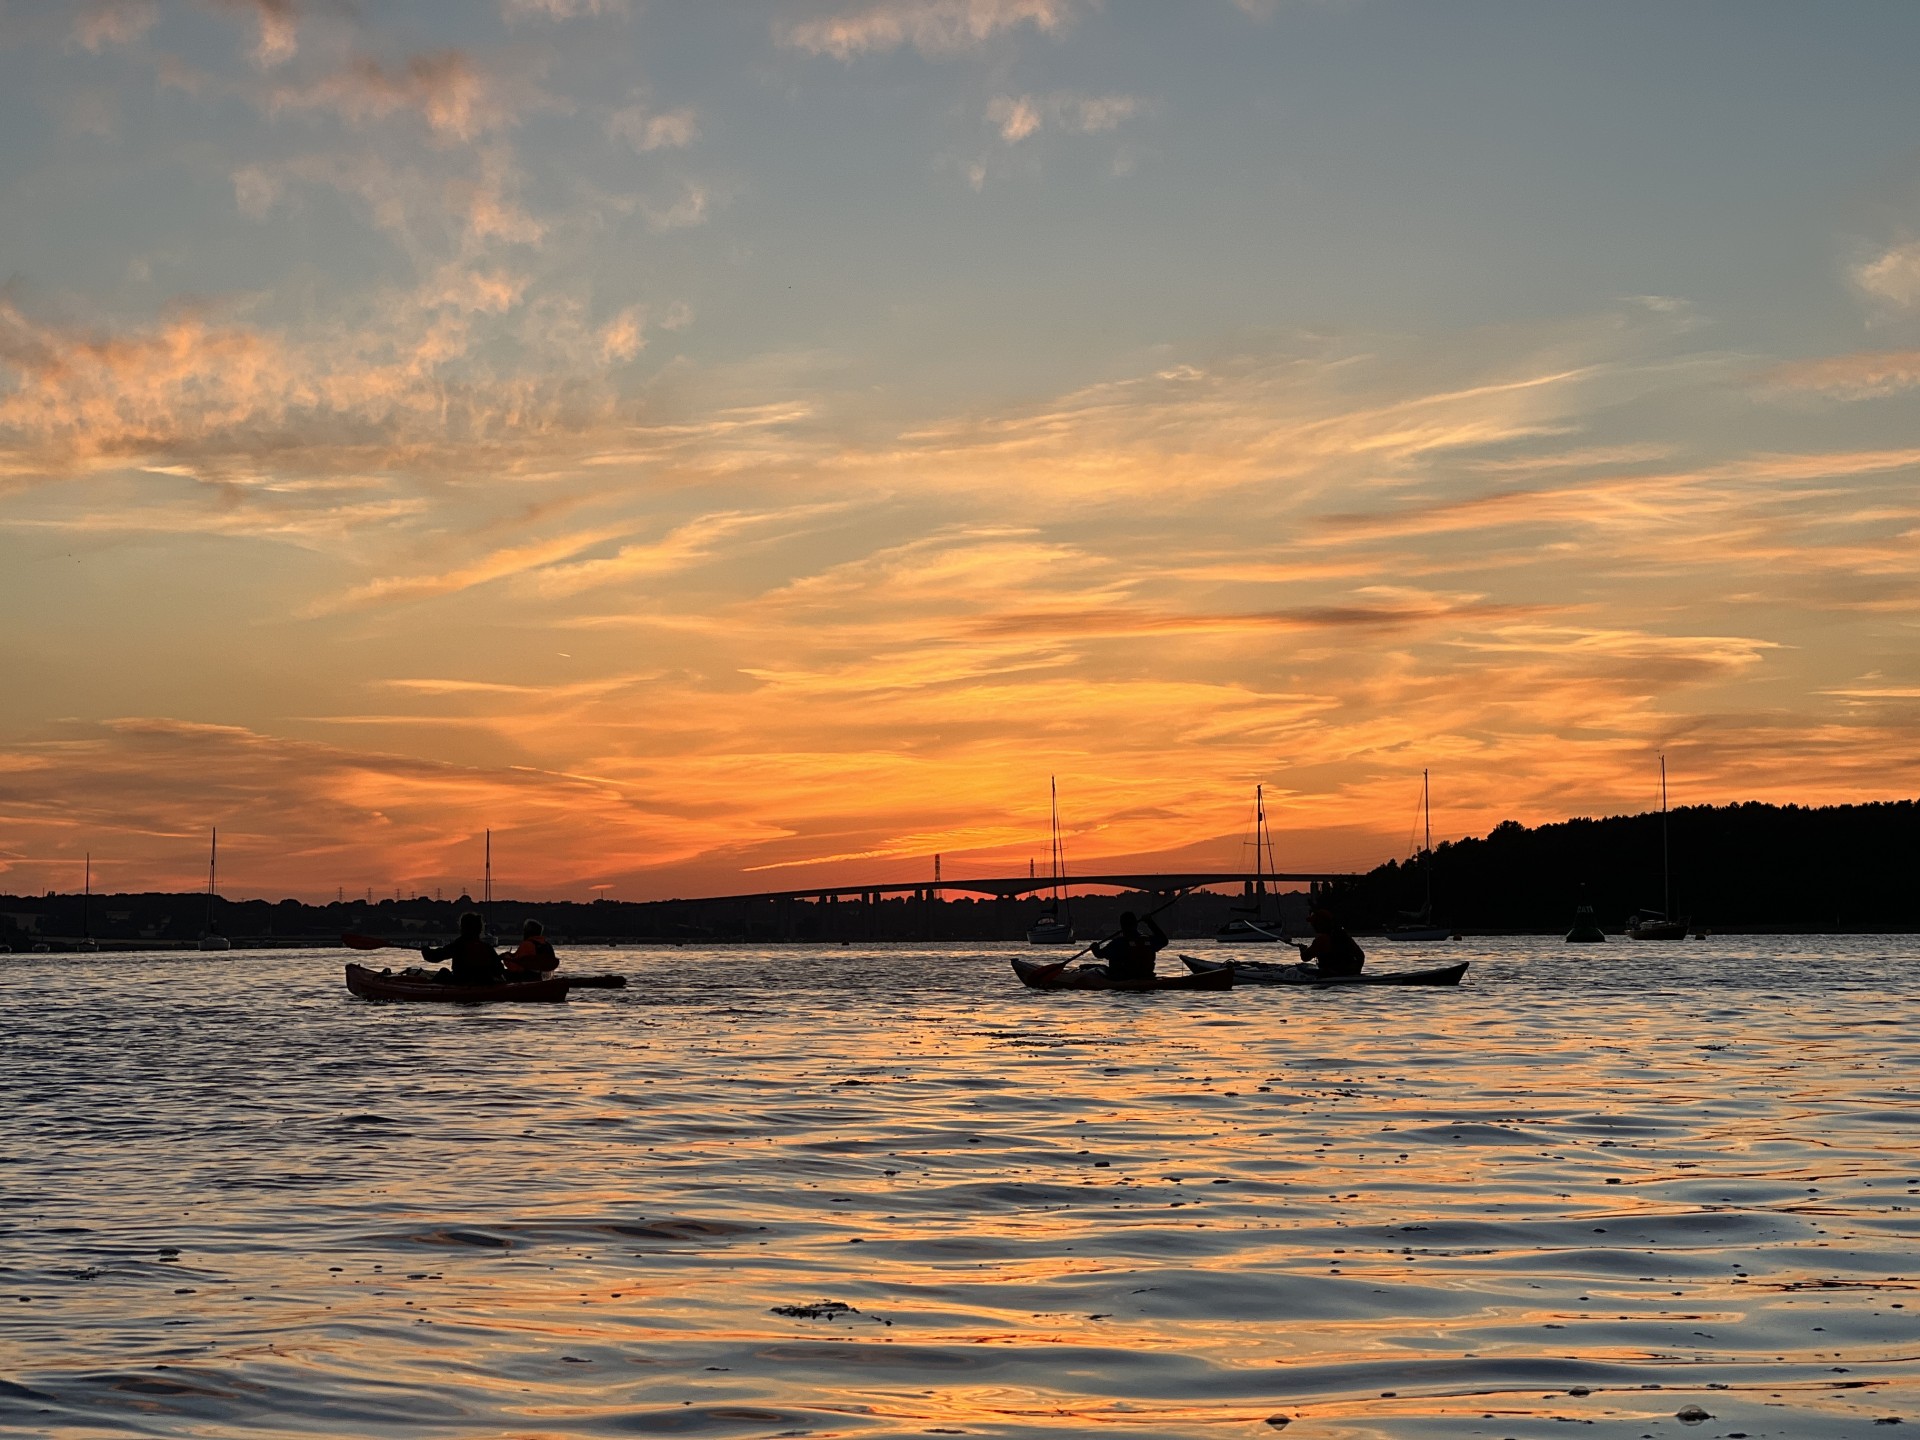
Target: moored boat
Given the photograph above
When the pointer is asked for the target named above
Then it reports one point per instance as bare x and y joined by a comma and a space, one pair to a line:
210, 938
1050, 929
385, 985
1061, 976
1419, 927
1263, 972
1249, 923
1654, 924
1055, 925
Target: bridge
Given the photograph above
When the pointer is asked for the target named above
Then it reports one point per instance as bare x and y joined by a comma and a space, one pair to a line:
1012, 886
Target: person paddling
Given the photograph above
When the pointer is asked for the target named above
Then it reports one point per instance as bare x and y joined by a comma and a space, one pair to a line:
1129, 955
1334, 951
474, 960
534, 957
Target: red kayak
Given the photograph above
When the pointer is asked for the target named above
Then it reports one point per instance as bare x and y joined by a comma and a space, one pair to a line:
1058, 976
384, 985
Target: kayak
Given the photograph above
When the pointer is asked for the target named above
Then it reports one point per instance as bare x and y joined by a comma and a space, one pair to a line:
1262, 972
384, 985
1058, 976
594, 982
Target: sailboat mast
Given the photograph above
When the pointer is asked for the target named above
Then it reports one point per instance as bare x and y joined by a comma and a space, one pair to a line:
486, 890
1426, 855
1259, 840
1057, 865
86, 901
213, 870
1666, 867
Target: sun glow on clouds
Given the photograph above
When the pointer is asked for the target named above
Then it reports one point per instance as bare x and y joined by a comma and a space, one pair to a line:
486, 530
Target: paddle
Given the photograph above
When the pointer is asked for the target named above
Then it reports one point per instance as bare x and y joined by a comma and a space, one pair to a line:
1285, 939
1116, 934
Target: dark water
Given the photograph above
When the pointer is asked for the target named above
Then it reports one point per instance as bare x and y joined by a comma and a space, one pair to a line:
1588, 1189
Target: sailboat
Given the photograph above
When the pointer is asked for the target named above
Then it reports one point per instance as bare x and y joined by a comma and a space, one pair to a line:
1055, 925
1249, 924
210, 939
1421, 926
87, 942
1654, 924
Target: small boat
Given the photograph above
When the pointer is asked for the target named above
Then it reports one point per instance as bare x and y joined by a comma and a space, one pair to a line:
1420, 928
1654, 924
1060, 976
385, 985
593, 982
1586, 930
1053, 927
1265, 972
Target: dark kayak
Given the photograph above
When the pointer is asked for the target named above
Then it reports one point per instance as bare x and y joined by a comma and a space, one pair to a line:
1263, 972
594, 982
378, 985
1058, 976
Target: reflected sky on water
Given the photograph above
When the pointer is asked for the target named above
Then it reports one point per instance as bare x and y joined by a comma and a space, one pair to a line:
1589, 1185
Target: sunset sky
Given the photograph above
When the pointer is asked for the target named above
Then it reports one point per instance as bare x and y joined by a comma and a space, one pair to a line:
736, 446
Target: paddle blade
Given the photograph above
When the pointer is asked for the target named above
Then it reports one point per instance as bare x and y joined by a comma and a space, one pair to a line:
372, 942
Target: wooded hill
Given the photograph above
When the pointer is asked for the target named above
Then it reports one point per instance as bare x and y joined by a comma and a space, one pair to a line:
1735, 867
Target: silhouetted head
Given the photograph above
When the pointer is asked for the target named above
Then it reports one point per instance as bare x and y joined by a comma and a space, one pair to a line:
471, 923
533, 928
1322, 919
1129, 921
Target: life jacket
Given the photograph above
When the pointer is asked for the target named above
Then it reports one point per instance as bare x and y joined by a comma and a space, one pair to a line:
534, 953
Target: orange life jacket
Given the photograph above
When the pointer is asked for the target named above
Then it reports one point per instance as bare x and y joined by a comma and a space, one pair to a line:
535, 953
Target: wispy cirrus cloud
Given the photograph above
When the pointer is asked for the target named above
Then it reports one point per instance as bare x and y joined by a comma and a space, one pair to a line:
932, 27
513, 10
498, 564
98, 24
1019, 117
444, 89
1861, 376
646, 130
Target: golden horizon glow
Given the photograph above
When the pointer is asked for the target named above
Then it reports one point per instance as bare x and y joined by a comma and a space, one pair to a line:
500, 427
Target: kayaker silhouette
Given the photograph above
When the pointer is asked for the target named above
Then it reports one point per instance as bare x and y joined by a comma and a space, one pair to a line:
1333, 950
535, 956
1129, 955
474, 960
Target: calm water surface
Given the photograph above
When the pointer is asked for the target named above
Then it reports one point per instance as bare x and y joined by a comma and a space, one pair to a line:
1588, 1188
